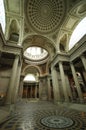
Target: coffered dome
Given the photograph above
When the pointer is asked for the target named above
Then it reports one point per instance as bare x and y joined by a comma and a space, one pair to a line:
45, 15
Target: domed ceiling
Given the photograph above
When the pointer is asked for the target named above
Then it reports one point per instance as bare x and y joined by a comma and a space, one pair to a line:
44, 16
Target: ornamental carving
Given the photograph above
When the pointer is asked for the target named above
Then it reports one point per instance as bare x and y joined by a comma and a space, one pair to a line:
44, 16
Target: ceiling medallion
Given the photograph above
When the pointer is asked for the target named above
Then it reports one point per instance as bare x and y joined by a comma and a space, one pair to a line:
45, 16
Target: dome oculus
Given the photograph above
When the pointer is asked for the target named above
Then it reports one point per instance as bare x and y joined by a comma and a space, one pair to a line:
35, 53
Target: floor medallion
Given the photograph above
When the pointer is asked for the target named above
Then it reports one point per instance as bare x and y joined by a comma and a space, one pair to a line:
57, 121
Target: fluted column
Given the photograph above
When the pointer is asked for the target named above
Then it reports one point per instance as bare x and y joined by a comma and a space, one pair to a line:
21, 86
63, 81
49, 88
43, 92
16, 88
12, 80
40, 87
56, 89
76, 82
68, 88
83, 61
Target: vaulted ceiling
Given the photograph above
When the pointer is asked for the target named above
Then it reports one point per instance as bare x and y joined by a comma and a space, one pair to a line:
53, 20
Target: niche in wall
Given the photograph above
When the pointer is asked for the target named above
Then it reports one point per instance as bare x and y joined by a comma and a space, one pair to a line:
14, 31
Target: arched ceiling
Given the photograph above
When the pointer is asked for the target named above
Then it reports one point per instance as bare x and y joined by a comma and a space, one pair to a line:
40, 41
31, 70
49, 18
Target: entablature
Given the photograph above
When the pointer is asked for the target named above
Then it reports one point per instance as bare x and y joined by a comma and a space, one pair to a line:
78, 50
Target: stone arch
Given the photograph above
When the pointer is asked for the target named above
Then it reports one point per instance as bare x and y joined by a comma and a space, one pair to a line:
76, 13
40, 41
36, 37
29, 68
79, 10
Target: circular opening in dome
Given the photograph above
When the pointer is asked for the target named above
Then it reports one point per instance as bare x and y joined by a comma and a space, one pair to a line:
35, 53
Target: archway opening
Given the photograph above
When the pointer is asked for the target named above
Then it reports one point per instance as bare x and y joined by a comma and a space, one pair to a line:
31, 83
30, 78
78, 33
2, 15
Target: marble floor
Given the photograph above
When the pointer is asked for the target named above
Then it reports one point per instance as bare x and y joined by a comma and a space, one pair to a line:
43, 115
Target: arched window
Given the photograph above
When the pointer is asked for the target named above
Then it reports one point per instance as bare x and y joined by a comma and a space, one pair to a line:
29, 77
2, 15
78, 33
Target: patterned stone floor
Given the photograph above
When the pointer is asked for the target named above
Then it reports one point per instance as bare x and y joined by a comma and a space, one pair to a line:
44, 115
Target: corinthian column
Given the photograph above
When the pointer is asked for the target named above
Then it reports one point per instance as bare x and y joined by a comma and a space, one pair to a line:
49, 88
12, 80
56, 89
16, 88
83, 61
21, 87
76, 82
63, 81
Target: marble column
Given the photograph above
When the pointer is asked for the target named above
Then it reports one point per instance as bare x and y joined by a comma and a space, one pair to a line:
76, 82
84, 74
69, 88
56, 89
49, 88
36, 91
27, 91
63, 79
21, 86
12, 80
16, 88
43, 88
83, 61
31, 91
40, 87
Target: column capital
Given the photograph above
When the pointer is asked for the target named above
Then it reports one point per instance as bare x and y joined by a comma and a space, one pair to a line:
17, 55
52, 68
49, 76
83, 59
71, 62
82, 55
22, 77
60, 61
